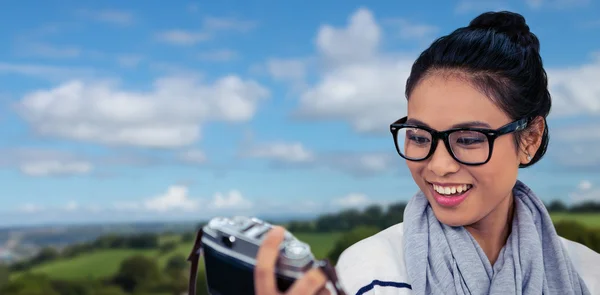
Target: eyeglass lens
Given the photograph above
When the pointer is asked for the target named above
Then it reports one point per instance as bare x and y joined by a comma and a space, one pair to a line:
467, 146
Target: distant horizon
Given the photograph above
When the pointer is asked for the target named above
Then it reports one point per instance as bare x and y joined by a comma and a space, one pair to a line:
67, 223
273, 217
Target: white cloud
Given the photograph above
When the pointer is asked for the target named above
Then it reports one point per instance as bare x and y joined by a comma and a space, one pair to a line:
71, 206
361, 85
233, 200
370, 95
361, 163
193, 156
589, 131
182, 37
358, 42
211, 26
168, 116
352, 200
30, 208
584, 185
364, 86
281, 152
585, 192
575, 90
581, 155
228, 24
479, 6
291, 70
411, 30
55, 167
176, 198
127, 206
220, 55
173, 69
536, 4
68, 208
40, 162
46, 72
49, 50
295, 154
129, 60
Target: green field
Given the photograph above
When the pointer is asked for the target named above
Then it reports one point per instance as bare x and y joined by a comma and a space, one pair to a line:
591, 220
104, 263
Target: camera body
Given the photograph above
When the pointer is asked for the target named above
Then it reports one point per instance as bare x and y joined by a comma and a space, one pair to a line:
230, 246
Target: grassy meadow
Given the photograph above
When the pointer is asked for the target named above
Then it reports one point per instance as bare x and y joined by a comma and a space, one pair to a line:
103, 263
591, 220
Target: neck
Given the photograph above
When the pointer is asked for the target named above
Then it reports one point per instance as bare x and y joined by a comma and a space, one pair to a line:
492, 231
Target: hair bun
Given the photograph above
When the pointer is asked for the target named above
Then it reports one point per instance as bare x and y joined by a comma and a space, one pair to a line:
509, 23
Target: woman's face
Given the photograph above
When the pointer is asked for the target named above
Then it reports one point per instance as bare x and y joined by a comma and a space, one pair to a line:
442, 102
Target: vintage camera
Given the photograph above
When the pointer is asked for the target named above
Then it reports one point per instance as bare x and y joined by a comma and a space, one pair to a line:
229, 247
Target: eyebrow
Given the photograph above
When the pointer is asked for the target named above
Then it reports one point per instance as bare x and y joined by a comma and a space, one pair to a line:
469, 124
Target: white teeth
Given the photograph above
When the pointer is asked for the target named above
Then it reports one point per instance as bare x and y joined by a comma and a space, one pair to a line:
447, 190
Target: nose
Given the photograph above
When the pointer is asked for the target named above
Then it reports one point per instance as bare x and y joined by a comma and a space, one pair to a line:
441, 162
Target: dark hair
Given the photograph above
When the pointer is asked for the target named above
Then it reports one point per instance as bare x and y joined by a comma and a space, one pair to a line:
500, 56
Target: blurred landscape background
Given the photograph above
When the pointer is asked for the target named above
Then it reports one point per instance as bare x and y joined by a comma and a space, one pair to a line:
148, 258
125, 126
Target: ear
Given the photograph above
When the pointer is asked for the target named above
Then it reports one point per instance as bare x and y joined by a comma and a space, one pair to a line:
531, 140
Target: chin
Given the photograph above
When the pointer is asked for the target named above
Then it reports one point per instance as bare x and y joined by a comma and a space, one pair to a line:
454, 219
457, 216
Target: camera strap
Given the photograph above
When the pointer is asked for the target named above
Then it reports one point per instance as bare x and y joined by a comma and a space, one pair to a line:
331, 274
194, 258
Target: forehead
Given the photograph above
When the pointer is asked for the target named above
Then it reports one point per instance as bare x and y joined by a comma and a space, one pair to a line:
442, 101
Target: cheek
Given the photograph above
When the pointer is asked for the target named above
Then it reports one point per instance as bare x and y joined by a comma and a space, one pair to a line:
416, 170
500, 173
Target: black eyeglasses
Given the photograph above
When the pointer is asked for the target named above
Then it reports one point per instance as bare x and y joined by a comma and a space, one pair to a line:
469, 146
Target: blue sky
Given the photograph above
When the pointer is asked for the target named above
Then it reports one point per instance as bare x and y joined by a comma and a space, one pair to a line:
146, 111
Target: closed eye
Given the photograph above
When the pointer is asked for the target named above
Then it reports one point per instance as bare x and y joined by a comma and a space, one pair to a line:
470, 140
418, 139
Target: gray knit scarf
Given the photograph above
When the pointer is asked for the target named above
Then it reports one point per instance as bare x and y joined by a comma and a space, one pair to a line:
441, 259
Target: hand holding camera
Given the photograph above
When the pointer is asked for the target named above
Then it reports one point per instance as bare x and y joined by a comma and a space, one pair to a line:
249, 256
312, 282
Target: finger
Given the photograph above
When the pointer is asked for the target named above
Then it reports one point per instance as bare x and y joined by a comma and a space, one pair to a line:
266, 258
310, 283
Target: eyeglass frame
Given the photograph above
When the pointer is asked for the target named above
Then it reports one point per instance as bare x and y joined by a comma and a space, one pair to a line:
436, 136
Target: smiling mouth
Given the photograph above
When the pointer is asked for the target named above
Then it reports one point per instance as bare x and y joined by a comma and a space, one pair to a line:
451, 190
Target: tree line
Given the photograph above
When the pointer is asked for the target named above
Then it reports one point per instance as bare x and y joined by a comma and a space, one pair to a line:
558, 206
384, 216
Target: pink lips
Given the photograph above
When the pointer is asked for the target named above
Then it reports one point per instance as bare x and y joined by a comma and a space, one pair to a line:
449, 202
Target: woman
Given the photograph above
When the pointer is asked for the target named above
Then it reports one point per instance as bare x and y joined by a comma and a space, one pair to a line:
477, 106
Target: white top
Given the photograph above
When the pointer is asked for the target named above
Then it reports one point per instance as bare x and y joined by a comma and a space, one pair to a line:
375, 265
